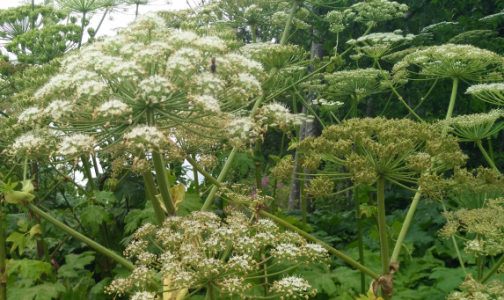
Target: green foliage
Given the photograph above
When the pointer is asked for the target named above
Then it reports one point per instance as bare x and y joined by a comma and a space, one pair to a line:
94, 215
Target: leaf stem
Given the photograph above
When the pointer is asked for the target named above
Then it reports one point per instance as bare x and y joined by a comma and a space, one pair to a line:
382, 225
485, 154
94, 245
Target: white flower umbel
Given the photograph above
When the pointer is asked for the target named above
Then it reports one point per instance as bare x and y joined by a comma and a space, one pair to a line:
154, 89
376, 45
489, 92
143, 136
276, 114
76, 144
242, 129
356, 83
28, 143
373, 11
293, 287
143, 296
211, 43
113, 107
207, 102
58, 108
28, 115
451, 61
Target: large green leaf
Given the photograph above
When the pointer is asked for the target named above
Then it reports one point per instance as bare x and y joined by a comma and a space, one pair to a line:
75, 263
104, 197
94, 215
28, 268
44, 291
192, 202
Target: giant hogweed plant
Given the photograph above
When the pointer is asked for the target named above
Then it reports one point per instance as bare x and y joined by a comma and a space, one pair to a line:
138, 90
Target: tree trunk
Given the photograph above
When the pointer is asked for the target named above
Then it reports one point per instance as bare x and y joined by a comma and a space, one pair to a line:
306, 130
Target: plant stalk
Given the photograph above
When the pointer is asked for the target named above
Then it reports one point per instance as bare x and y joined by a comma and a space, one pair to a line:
494, 269
452, 99
382, 225
285, 35
94, 245
205, 174
3, 256
405, 226
150, 188
485, 154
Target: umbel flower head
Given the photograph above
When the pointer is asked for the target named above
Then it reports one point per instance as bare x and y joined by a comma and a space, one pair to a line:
475, 127
146, 74
489, 92
452, 61
397, 150
376, 45
200, 250
374, 11
356, 83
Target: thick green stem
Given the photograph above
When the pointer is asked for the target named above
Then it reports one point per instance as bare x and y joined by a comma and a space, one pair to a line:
452, 98
211, 291
222, 175
196, 179
406, 224
3, 256
94, 245
285, 35
150, 188
382, 225
83, 24
494, 269
485, 154
303, 202
160, 168
331, 250
253, 29
163, 183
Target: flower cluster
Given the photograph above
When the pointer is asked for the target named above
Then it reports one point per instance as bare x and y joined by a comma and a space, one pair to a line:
451, 61
489, 92
475, 127
201, 249
376, 45
373, 11
277, 115
389, 149
356, 83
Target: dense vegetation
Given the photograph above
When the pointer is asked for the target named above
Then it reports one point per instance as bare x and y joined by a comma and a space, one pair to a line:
253, 149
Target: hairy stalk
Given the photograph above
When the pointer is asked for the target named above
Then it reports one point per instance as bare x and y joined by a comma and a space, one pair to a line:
150, 188
94, 245
87, 172
3, 256
382, 225
452, 99
196, 180
487, 157
220, 179
331, 250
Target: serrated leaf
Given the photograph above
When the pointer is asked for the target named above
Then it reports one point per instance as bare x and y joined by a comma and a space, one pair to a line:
28, 268
75, 263
45, 291
447, 280
94, 215
20, 242
104, 197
